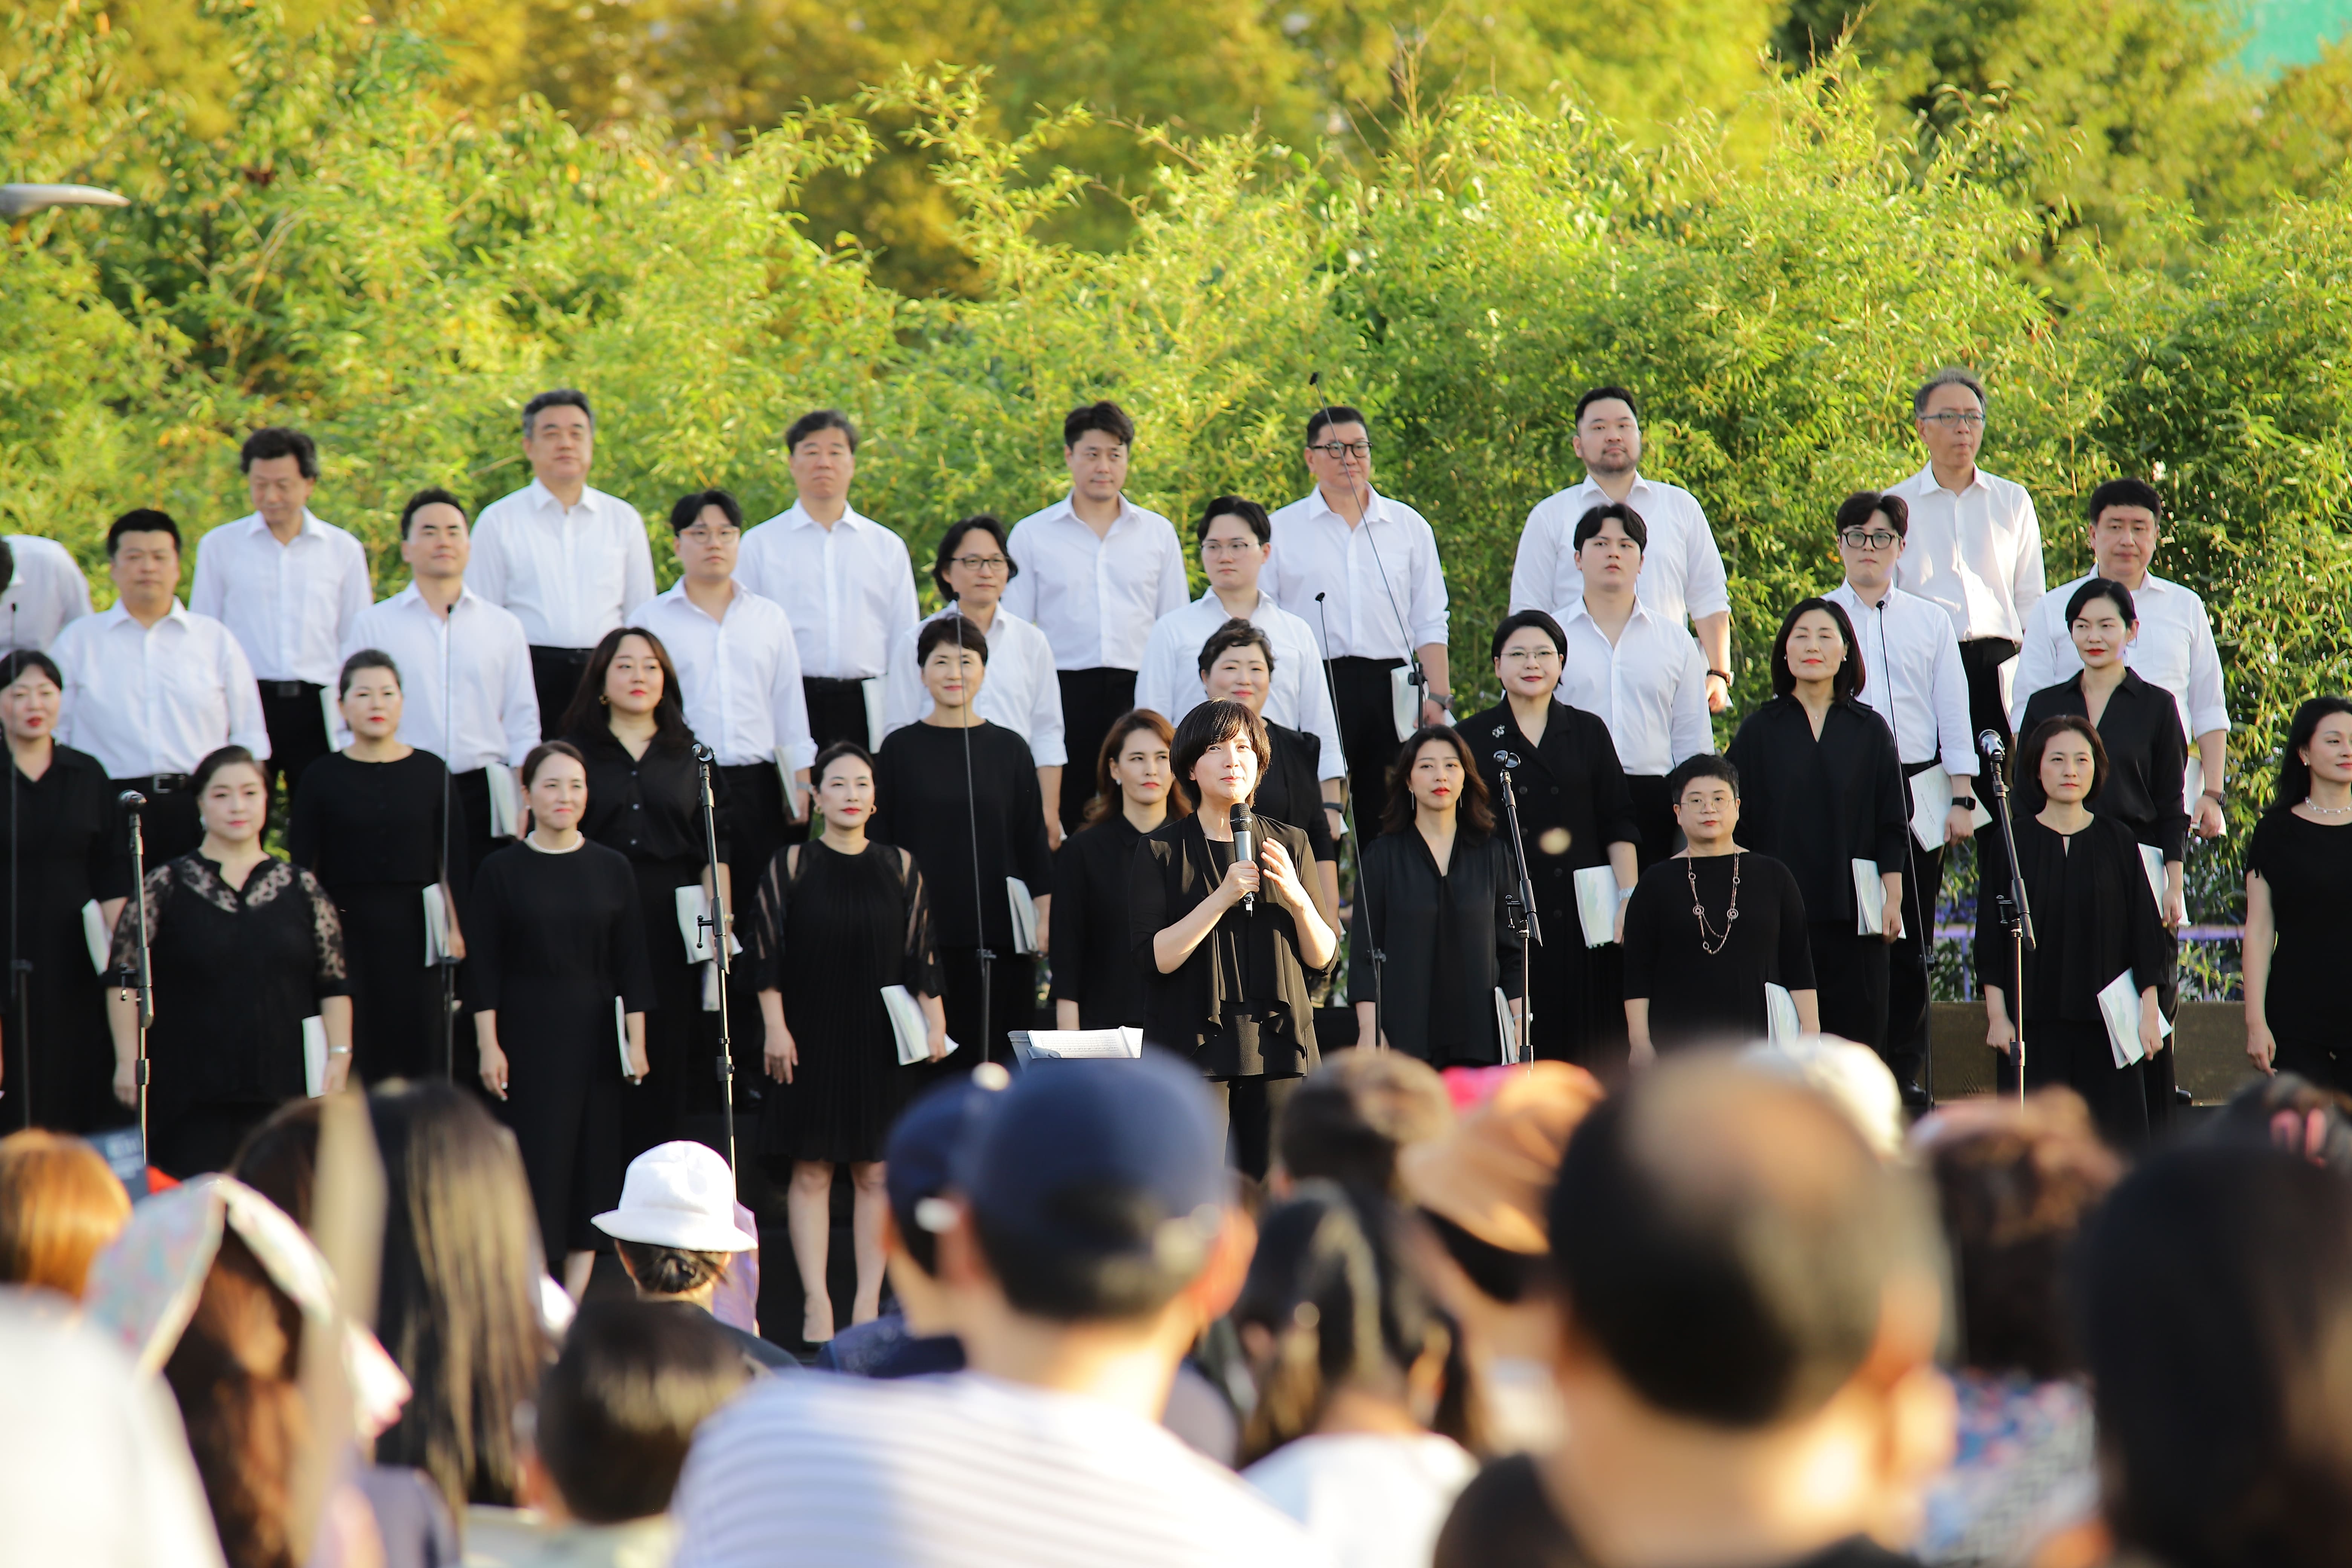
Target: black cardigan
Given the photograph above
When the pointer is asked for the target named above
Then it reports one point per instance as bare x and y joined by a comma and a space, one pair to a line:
2147, 759
1817, 806
1405, 910
1094, 962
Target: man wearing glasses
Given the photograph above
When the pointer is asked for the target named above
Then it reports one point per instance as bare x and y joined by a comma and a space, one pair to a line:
1682, 570
1372, 563
1975, 545
1912, 659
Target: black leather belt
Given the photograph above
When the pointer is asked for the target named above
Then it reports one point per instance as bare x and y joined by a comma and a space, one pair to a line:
158, 783
289, 688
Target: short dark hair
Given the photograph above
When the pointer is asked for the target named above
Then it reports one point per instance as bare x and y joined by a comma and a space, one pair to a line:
952, 630
808, 425
688, 511
1745, 1285
17, 660
1605, 394
588, 715
2099, 588
1348, 1121
1847, 683
669, 1271
1856, 510
1210, 723
537, 756
618, 1409
366, 659
1106, 417
276, 441
141, 520
1475, 811
560, 397
1950, 375
2030, 755
1704, 765
1241, 506
952, 541
1540, 620
834, 753
1625, 517
217, 760
1234, 634
2125, 491
1332, 414
431, 495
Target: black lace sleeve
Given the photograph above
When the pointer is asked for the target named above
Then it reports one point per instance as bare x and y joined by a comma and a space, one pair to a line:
124, 959
768, 921
923, 974
334, 976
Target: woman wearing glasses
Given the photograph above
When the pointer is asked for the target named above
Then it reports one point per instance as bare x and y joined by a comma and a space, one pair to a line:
1575, 812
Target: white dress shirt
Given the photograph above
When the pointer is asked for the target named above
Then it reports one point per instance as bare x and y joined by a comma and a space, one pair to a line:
1912, 674
1019, 691
1682, 571
1650, 689
849, 589
2174, 650
1169, 683
1978, 553
477, 656
1096, 598
156, 700
289, 605
1384, 583
569, 575
47, 591
739, 676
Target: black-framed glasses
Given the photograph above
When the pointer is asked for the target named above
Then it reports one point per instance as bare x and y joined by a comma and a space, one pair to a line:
979, 562
1339, 450
1873, 539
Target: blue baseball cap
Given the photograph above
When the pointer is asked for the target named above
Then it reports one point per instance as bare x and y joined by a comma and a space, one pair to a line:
919, 1154
1102, 1158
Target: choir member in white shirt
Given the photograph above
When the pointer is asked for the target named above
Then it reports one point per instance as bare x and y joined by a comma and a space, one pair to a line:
288, 586
1235, 536
1020, 692
1912, 660
2174, 649
1362, 569
846, 581
1094, 571
45, 590
465, 666
1642, 673
152, 688
1975, 545
569, 561
1682, 570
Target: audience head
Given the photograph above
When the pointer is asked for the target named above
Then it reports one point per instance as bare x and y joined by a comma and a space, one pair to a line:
279, 1159
559, 436
1816, 642
32, 693
232, 796
1096, 439
1435, 771
1705, 792
919, 1165
1237, 664
974, 563
1349, 1122
1133, 767
675, 1229
1948, 409
554, 779
1483, 1185
2289, 1113
2213, 1306
2318, 746
60, 1207
843, 780
617, 1411
1233, 534
434, 541
630, 672
1608, 438
1221, 751
459, 1292
1851, 1077
2016, 1183
1871, 527
2066, 759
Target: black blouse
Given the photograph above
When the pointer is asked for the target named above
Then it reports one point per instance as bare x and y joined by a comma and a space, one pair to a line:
357, 822
1573, 800
649, 807
1818, 806
920, 803
2147, 759
1446, 942
1695, 996
2092, 918
1094, 961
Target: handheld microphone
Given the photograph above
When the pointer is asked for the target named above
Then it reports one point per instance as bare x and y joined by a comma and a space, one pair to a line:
131, 800
1245, 846
1989, 741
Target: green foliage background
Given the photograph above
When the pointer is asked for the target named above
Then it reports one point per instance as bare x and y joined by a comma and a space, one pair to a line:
333, 239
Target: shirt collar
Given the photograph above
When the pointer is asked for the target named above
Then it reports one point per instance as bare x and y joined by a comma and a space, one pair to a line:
677, 592
1317, 506
255, 523
412, 595
178, 612
544, 499
797, 516
1852, 595
1579, 612
1926, 484
1591, 486
1067, 507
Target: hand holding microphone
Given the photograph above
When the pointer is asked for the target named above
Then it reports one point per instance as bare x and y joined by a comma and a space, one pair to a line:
1244, 830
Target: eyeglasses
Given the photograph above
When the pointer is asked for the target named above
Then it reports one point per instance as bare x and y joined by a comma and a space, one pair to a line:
1875, 538
703, 533
1954, 419
1231, 547
1531, 654
1337, 450
979, 562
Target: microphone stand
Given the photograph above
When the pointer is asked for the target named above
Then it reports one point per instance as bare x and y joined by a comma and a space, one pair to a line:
716, 922
20, 968
448, 795
2016, 911
1520, 910
1348, 818
986, 954
142, 978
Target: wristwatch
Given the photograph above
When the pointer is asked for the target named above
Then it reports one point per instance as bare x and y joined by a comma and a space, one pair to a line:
2212, 795
1968, 801
1722, 675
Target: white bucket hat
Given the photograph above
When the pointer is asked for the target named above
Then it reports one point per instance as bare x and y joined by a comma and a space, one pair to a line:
678, 1194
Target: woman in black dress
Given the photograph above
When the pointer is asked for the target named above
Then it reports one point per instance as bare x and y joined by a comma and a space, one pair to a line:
242, 949
1821, 788
2093, 921
1709, 929
2298, 867
67, 850
644, 799
558, 979
922, 802
839, 919
1096, 983
1229, 947
1429, 899
1237, 666
376, 823
1575, 812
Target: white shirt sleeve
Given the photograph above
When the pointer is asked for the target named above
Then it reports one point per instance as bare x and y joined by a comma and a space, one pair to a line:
357, 594
636, 566
2037, 656
1175, 588
792, 711
1155, 678
903, 697
246, 726
1047, 748
1705, 590
906, 608
486, 568
1539, 562
1317, 718
210, 588
2209, 708
1689, 732
2028, 587
1427, 605
1949, 695
518, 711
1021, 594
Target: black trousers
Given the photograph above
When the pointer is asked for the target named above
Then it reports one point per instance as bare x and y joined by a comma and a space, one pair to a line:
836, 710
1906, 1051
1251, 1109
1654, 817
556, 674
1849, 982
296, 721
169, 826
1368, 735
1092, 699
